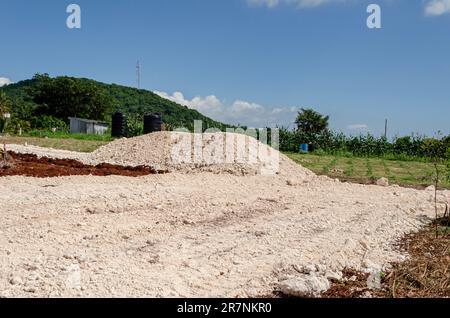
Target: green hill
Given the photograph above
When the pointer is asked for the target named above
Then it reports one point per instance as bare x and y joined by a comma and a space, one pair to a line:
61, 97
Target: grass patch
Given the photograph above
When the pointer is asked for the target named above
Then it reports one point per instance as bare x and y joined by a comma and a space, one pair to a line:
350, 169
65, 135
366, 170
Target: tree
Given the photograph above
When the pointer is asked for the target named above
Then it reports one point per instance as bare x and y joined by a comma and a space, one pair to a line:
434, 149
311, 123
5, 104
64, 97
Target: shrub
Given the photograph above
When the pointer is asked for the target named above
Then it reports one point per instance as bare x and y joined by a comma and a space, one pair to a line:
16, 126
48, 123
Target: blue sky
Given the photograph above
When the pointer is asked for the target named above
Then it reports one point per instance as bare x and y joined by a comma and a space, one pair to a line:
252, 62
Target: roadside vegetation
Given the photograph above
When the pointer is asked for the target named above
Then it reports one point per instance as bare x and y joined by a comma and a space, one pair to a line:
417, 174
313, 129
45, 103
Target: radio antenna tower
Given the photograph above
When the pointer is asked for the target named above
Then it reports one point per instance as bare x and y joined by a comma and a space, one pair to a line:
138, 74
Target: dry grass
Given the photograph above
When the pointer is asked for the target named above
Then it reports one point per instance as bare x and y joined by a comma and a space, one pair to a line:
426, 274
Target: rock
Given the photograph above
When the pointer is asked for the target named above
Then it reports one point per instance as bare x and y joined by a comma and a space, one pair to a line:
73, 279
430, 188
364, 244
333, 276
321, 268
383, 182
308, 269
367, 294
304, 286
15, 280
374, 280
292, 183
29, 289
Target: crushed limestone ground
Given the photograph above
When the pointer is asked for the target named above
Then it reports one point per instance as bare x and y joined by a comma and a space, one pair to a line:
218, 231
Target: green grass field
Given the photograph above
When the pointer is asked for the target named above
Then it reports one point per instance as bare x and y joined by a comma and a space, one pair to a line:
367, 170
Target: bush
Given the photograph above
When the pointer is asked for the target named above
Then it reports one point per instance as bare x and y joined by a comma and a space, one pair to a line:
401, 148
16, 126
48, 123
135, 126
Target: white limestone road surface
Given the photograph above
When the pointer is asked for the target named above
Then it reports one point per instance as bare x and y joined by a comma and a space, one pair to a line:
193, 235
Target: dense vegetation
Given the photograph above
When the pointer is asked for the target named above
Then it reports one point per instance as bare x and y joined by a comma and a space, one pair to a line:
44, 103
365, 145
313, 129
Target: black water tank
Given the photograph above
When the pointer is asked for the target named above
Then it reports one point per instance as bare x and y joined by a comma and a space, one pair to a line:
153, 123
119, 125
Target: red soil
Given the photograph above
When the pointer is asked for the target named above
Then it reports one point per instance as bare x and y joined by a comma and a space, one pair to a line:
32, 166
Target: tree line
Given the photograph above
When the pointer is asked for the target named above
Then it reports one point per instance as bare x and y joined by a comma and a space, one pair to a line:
46, 103
313, 128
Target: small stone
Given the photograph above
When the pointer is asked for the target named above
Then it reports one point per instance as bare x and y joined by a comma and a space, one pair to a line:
321, 268
15, 280
333, 276
383, 182
260, 233
82, 258
304, 286
364, 244
374, 280
29, 289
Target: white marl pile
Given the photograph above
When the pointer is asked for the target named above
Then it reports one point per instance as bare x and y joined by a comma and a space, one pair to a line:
225, 230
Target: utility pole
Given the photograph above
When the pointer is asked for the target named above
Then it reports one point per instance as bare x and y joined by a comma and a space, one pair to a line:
138, 74
385, 128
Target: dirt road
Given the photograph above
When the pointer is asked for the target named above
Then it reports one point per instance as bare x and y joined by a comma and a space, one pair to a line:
193, 235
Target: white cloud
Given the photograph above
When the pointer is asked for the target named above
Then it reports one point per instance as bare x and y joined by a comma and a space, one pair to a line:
298, 3
358, 127
239, 112
437, 7
242, 106
207, 103
4, 81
